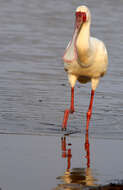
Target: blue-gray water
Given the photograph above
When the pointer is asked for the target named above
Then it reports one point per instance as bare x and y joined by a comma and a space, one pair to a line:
34, 89
38, 162
34, 92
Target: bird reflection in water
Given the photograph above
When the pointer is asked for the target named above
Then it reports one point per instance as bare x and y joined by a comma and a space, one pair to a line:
75, 178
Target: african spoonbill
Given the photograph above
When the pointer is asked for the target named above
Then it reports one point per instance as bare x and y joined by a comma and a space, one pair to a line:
85, 59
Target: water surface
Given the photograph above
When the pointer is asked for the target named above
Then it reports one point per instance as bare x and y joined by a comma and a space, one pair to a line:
34, 89
58, 162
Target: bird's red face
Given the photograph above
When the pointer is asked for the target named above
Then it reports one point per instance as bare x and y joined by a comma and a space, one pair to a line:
80, 19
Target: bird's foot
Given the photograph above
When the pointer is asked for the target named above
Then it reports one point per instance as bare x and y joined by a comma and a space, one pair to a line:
64, 124
63, 129
72, 110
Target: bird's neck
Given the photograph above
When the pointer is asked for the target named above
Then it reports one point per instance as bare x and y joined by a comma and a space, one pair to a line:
83, 42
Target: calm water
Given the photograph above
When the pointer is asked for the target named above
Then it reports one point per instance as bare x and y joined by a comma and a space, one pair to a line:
34, 89
44, 163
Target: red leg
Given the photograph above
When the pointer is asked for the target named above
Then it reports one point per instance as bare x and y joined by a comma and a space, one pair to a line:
90, 110
67, 111
72, 100
87, 149
66, 115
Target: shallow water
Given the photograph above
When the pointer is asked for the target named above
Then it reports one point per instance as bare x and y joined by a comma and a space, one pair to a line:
34, 89
34, 92
58, 162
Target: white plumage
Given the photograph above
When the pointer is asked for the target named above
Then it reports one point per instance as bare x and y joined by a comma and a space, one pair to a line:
85, 58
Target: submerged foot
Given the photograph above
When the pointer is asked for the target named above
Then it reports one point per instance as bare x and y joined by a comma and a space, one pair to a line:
66, 115
72, 110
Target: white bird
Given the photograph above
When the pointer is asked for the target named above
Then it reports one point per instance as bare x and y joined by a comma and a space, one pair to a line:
85, 59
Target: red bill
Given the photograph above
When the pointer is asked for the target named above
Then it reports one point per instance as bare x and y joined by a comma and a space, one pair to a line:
71, 53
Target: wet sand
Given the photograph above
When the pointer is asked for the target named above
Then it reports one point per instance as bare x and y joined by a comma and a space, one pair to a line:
58, 162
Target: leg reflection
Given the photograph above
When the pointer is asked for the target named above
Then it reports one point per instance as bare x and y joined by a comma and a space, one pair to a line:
87, 149
90, 181
75, 177
66, 152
